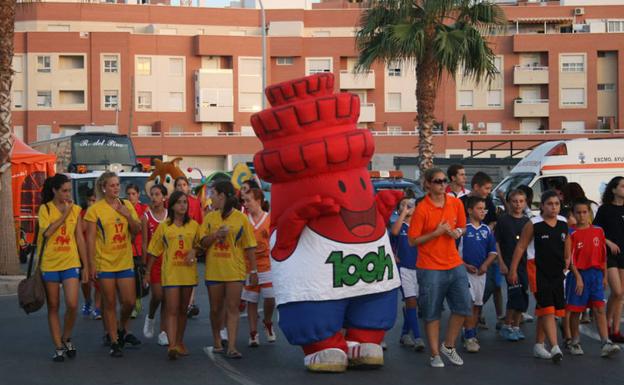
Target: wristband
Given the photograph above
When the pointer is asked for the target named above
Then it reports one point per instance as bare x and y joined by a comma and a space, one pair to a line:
459, 231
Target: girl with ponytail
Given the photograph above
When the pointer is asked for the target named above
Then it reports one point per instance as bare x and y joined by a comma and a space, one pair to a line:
228, 237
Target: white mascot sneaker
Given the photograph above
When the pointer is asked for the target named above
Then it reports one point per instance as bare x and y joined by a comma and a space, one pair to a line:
365, 354
327, 360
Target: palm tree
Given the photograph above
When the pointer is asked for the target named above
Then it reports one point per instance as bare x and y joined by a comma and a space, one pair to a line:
437, 36
8, 253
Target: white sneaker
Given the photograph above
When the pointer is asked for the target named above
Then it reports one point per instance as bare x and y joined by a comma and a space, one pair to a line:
452, 355
224, 335
539, 351
365, 354
526, 317
406, 340
472, 345
436, 362
327, 360
148, 327
162, 339
384, 345
419, 345
576, 349
254, 340
556, 355
609, 349
269, 332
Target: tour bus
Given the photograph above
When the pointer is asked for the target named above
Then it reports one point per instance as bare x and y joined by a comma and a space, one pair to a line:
590, 162
85, 155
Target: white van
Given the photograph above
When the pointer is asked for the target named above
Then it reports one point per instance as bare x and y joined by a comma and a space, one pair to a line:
589, 162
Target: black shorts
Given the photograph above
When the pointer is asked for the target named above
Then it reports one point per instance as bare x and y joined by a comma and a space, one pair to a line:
615, 261
549, 296
518, 295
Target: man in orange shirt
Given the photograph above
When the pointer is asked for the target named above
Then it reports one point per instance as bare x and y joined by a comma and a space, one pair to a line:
439, 220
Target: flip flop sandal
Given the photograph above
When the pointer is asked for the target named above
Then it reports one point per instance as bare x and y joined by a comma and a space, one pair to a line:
218, 350
234, 355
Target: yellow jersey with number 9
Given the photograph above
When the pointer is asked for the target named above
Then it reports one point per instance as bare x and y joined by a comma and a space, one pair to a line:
60, 251
174, 243
113, 242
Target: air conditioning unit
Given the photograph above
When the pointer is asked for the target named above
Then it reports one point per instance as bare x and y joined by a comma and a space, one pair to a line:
579, 11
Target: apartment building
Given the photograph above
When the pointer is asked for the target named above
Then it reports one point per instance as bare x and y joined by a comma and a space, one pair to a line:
184, 81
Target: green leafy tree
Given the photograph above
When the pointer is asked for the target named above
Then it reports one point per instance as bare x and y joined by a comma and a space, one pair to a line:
437, 36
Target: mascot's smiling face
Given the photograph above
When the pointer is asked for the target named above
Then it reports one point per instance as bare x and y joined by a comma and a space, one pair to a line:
358, 220
164, 173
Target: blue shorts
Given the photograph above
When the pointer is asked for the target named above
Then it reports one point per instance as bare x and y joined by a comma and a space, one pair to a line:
593, 291
60, 276
437, 285
129, 273
212, 283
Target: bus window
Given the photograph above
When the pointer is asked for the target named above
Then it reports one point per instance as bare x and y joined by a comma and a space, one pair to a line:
544, 184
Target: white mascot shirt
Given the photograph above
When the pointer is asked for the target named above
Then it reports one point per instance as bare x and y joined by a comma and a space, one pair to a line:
321, 269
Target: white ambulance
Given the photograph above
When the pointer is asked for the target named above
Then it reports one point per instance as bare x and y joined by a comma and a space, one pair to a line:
590, 162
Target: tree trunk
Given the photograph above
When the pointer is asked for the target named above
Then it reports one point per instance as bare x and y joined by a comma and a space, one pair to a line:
9, 263
426, 89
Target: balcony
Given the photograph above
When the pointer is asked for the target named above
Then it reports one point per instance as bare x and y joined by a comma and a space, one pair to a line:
214, 95
357, 81
530, 75
536, 108
367, 113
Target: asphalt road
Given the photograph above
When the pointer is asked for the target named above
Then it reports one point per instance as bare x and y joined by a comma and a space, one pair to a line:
25, 358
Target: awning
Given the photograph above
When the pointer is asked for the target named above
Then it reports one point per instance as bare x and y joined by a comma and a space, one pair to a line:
542, 20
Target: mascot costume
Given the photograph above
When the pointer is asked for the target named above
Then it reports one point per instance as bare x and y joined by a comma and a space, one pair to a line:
165, 173
334, 273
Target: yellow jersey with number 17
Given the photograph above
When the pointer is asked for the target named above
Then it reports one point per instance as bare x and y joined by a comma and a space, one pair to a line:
174, 243
60, 251
113, 242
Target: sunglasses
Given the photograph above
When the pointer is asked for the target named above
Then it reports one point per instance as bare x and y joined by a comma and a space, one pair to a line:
440, 181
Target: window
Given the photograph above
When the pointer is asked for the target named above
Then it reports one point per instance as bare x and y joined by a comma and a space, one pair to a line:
394, 69
144, 101
285, 61
606, 87
250, 66
18, 99
18, 131
72, 97
176, 101
316, 66
250, 101
572, 63
144, 130
111, 99
494, 98
144, 66
71, 62
615, 26
44, 132
572, 96
111, 64
394, 101
176, 130
176, 66
43, 64
44, 98
498, 63
18, 63
465, 98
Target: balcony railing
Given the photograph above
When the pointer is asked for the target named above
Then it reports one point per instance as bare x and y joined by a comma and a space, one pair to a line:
530, 75
531, 108
357, 80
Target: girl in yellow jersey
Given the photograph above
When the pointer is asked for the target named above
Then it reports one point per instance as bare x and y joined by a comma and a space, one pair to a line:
111, 223
229, 239
61, 248
175, 239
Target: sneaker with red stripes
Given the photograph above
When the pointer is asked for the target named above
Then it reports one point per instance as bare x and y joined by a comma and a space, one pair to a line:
269, 332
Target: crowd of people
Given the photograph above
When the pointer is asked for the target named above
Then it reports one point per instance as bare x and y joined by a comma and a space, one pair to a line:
453, 246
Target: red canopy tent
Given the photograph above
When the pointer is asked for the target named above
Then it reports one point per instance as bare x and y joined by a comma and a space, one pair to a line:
29, 169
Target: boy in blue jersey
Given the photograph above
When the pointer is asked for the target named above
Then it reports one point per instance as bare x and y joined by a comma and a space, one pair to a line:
406, 262
478, 250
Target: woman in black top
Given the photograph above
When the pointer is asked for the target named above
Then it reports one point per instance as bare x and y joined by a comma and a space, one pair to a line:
610, 217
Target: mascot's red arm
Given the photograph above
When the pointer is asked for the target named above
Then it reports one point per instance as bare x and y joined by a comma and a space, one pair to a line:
387, 201
294, 219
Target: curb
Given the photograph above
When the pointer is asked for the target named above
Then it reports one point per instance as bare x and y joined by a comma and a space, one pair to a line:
8, 283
